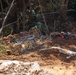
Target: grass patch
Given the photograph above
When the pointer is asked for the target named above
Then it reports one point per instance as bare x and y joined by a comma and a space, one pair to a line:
2, 49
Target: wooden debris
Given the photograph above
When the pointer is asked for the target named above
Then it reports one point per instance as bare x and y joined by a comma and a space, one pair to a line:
65, 51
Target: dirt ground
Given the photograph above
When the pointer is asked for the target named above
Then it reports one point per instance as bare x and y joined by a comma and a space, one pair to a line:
50, 59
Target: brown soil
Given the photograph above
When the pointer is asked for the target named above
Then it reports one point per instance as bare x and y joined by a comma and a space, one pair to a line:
50, 59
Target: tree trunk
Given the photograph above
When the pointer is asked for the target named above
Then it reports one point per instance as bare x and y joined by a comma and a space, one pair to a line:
64, 8
23, 15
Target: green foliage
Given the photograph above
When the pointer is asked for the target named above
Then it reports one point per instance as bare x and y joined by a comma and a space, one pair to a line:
2, 49
42, 27
7, 30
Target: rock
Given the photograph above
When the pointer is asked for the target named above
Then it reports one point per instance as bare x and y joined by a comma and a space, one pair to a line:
17, 67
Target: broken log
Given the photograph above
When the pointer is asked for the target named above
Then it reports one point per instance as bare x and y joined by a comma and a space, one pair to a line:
70, 53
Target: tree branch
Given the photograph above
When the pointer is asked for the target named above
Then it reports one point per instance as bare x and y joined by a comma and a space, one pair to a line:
7, 15
43, 16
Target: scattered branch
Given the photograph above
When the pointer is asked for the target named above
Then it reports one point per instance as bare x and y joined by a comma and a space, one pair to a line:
12, 22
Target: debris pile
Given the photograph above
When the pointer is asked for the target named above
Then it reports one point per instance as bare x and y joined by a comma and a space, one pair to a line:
32, 34
63, 35
17, 67
23, 42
